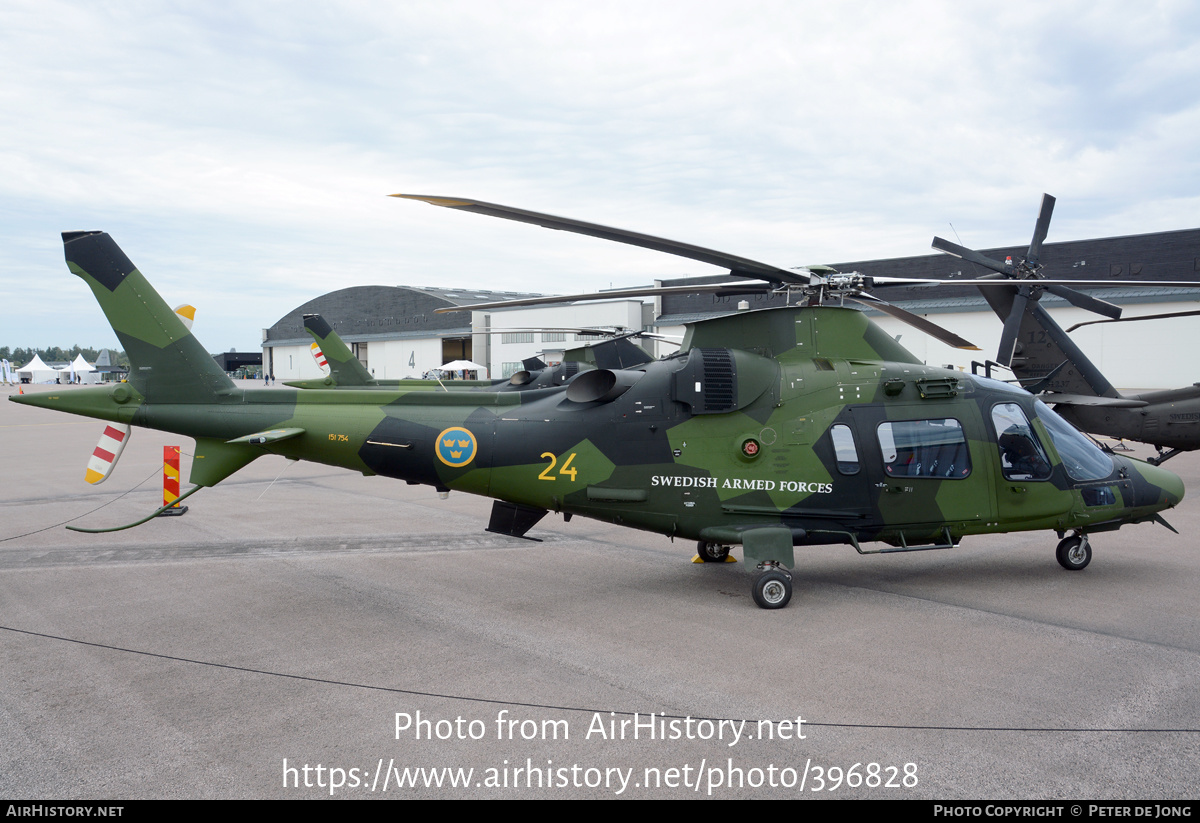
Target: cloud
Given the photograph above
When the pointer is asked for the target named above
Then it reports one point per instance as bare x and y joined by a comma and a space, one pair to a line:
241, 153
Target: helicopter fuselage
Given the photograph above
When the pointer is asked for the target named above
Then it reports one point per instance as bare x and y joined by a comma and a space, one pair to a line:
769, 429
713, 443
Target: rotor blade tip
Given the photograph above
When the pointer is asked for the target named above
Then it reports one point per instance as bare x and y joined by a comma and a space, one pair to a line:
448, 202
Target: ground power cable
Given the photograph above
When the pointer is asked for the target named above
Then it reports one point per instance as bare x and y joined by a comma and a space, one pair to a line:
85, 514
580, 709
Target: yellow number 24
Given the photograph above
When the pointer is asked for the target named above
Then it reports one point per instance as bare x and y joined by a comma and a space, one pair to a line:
566, 467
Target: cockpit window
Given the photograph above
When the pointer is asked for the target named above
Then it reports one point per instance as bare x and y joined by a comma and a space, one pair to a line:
1081, 457
924, 448
1021, 455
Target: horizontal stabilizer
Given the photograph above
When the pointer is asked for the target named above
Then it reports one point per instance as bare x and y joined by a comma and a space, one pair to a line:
322, 383
215, 460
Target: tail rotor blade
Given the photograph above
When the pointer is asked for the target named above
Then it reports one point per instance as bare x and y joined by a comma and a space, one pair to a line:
1039, 231
1086, 301
107, 452
1012, 327
970, 255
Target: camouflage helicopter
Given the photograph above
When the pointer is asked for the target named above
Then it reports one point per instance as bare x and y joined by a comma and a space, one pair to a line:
1045, 359
346, 371
793, 426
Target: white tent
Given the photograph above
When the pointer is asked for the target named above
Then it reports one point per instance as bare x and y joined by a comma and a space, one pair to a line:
37, 371
80, 371
464, 365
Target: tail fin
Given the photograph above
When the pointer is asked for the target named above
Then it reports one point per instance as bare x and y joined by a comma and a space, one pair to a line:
345, 368
166, 363
1042, 347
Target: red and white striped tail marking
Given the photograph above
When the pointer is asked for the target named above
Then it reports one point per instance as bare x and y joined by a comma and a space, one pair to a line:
107, 452
319, 356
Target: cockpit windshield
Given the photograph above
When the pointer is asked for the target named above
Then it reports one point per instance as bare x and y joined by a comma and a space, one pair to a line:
1081, 457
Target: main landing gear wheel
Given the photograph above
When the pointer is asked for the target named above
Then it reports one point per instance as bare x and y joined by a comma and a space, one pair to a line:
1074, 552
772, 589
712, 552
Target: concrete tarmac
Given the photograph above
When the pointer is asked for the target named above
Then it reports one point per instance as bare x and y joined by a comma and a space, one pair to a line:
308, 632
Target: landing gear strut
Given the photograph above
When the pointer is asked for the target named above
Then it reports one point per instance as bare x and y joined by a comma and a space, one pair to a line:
1074, 552
772, 586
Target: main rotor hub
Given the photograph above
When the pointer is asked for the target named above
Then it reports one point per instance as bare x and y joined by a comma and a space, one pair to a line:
837, 284
1024, 270
850, 282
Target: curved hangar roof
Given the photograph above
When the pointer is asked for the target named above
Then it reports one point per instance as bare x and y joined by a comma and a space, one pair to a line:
364, 313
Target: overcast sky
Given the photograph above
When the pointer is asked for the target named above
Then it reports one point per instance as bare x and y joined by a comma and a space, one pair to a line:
240, 153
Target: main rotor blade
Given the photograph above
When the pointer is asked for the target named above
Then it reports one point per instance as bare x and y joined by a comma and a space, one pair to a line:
915, 320
970, 255
731, 289
1132, 319
738, 266
1039, 230
1086, 301
888, 280
605, 333
1012, 327
1091, 284
720, 289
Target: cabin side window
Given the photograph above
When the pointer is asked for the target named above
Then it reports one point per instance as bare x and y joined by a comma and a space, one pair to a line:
844, 450
1021, 455
924, 448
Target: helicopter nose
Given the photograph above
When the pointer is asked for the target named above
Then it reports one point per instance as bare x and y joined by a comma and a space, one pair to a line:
1153, 486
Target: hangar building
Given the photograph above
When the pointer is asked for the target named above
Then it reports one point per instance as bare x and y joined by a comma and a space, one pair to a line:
1140, 355
394, 331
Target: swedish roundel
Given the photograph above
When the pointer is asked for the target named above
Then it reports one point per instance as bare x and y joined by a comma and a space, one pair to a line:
456, 447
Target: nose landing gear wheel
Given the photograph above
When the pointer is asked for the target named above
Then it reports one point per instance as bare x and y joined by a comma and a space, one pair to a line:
772, 589
1074, 552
